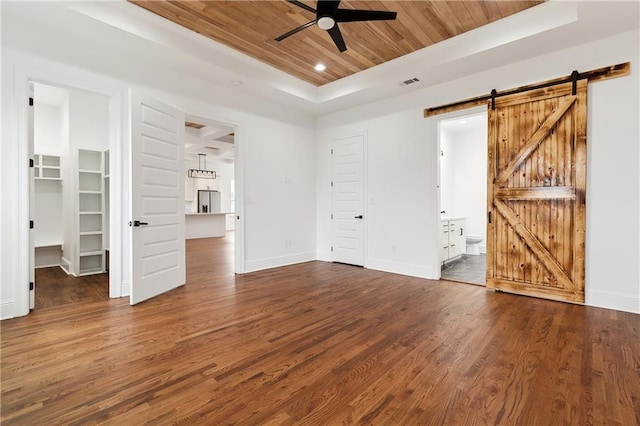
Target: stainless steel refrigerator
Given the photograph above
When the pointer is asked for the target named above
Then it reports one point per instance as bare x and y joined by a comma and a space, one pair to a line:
208, 201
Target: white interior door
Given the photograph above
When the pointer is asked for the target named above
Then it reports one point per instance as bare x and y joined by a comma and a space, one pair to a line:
347, 193
157, 198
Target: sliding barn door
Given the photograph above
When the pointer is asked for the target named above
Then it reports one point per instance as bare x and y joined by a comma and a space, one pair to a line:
536, 194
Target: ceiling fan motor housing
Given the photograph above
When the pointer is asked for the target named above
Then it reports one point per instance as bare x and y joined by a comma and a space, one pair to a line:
328, 15
326, 22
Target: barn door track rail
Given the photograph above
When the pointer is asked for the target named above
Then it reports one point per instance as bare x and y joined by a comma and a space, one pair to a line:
604, 73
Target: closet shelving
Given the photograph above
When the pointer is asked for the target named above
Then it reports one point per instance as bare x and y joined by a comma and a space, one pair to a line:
90, 212
46, 167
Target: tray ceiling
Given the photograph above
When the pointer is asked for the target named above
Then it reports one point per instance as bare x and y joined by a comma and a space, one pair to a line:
251, 27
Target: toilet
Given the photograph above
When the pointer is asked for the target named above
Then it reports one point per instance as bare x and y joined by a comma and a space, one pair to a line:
473, 244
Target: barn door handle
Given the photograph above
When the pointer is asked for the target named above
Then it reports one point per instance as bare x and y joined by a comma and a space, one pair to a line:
137, 223
489, 217
358, 217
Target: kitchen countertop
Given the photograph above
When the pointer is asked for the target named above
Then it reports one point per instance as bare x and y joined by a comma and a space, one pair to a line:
202, 214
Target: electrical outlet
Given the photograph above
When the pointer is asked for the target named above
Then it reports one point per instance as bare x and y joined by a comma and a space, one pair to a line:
287, 243
393, 248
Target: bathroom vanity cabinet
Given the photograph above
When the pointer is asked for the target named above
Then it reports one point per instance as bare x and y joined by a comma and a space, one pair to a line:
454, 238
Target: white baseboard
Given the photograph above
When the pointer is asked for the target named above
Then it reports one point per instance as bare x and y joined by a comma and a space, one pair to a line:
66, 265
125, 289
47, 266
483, 248
7, 309
613, 300
274, 262
411, 270
324, 256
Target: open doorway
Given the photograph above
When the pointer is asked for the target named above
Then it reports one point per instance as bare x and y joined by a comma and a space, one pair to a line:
70, 196
210, 188
463, 197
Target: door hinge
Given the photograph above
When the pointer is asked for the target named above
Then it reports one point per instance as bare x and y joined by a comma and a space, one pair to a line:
31, 164
30, 224
331, 248
332, 151
332, 184
332, 216
31, 286
30, 101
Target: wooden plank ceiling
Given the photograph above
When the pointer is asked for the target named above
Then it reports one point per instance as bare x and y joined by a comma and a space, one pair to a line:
251, 27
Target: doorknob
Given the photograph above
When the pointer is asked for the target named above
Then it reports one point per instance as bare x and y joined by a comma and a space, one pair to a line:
137, 223
358, 217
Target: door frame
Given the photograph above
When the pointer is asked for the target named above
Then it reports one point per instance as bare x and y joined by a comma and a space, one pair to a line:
69, 79
365, 204
238, 176
437, 134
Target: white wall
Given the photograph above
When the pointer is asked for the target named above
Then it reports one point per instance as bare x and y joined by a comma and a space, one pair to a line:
47, 138
88, 121
400, 192
470, 174
47, 130
277, 152
402, 176
447, 173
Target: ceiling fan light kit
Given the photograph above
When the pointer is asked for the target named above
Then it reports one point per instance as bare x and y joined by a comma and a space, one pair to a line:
328, 15
326, 23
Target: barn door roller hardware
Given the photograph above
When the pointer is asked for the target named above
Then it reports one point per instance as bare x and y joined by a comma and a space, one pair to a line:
574, 81
604, 73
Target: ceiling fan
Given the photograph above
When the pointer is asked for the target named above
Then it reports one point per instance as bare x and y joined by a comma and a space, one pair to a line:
328, 15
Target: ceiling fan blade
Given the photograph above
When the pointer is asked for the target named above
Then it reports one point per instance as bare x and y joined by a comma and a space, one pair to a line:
336, 36
295, 30
326, 8
351, 15
302, 5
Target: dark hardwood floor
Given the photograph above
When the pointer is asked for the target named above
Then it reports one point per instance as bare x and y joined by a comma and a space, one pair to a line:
322, 344
55, 288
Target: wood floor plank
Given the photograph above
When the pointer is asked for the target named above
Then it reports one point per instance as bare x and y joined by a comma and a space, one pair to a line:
319, 343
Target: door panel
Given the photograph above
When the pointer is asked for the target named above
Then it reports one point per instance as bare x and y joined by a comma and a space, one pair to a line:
348, 200
536, 194
157, 194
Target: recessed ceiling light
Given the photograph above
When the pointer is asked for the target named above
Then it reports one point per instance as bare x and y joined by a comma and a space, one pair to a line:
320, 67
463, 121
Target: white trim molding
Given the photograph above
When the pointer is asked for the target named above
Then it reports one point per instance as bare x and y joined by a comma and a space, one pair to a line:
613, 300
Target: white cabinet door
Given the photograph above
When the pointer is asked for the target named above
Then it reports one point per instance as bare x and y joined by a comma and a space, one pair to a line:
445, 240
454, 247
157, 194
457, 241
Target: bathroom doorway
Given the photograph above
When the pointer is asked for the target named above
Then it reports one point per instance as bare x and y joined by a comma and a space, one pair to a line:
463, 197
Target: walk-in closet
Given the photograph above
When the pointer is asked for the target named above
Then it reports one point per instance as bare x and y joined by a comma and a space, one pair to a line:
71, 195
